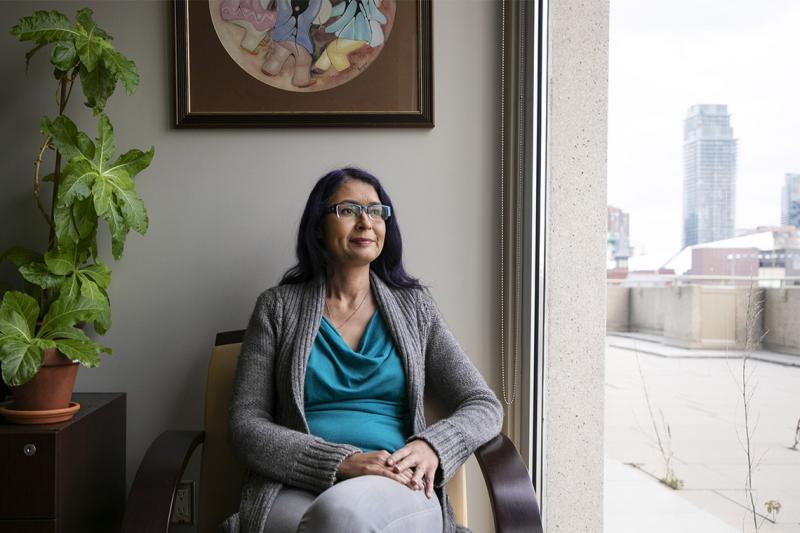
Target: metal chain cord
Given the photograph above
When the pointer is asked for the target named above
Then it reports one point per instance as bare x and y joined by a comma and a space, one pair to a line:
502, 199
506, 399
519, 198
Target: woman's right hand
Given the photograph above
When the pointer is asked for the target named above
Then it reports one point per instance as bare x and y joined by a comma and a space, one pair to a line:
371, 464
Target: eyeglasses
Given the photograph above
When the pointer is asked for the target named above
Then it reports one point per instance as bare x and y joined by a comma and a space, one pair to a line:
354, 210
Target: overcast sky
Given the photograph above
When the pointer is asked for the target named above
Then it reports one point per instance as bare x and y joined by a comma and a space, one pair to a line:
668, 55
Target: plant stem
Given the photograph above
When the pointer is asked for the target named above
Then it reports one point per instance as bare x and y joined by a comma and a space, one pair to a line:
752, 313
62, 104
64, 93
36, 183
796, 435
661, 448
749, 484
69, 91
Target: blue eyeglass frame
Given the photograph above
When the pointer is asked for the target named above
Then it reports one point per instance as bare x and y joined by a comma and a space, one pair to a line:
361, 209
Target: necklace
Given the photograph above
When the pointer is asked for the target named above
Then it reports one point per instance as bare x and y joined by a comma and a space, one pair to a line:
327, 309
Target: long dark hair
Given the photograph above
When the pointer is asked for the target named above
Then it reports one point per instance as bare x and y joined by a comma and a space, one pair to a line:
312, 258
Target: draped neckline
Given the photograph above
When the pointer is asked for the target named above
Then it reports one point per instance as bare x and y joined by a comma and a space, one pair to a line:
364, 336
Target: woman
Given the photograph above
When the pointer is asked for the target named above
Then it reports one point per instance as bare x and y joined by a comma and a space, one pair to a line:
327, 412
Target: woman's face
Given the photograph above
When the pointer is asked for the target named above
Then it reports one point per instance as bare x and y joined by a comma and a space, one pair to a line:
353, 241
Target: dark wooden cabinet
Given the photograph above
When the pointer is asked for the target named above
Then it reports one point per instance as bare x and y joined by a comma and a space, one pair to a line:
67, 477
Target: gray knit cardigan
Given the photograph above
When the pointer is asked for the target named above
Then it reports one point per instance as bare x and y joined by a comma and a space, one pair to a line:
268, 428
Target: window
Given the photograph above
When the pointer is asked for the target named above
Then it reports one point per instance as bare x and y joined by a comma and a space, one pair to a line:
703, 308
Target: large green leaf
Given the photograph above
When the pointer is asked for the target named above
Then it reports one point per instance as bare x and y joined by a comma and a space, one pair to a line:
88, 353
101, 194
65, 333
66, 232
131, 163
64, 55
133, 210
44, 344
111, 189
67, 138
22, 304
98, 85
99, 273
119, 231
44, 27
84, 218
64, 313
62, 260
92, 42
90, 47
77, 180
13, 325
130, 204
122, 68
19, 256
91, 291
75, 222
84, 18
105, 140
70, 289
40, 275
21, 360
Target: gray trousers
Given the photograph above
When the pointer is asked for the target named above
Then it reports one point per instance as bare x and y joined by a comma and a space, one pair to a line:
365, 504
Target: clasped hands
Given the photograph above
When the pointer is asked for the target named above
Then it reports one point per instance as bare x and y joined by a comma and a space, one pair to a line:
410, 465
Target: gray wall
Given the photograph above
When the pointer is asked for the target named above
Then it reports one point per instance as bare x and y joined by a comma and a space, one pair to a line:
224, 206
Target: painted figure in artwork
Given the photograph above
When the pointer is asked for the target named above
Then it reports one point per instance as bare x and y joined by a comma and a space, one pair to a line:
291, 37
359, 24
292, 44
254, 16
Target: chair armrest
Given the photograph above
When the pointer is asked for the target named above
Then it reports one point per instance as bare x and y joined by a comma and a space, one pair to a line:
152, 495
514, 503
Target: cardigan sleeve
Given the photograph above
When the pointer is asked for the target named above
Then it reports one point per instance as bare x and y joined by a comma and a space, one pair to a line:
476, 414
270, 449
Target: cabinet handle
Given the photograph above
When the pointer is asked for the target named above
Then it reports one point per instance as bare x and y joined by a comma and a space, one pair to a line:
29, 450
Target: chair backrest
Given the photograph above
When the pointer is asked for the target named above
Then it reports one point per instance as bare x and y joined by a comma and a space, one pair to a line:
221, 474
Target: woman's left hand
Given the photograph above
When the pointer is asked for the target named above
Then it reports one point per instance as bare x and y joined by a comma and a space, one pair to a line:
420, 457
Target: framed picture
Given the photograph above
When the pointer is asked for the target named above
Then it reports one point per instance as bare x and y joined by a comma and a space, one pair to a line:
241, 63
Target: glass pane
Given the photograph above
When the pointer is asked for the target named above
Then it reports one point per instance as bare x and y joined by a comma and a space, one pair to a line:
703, 328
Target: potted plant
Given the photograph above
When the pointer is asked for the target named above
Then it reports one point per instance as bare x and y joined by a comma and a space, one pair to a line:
65, 286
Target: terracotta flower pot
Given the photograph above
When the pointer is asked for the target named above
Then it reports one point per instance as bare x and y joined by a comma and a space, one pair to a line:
51, 387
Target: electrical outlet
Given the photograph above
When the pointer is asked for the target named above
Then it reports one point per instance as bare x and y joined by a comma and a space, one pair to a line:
183, 509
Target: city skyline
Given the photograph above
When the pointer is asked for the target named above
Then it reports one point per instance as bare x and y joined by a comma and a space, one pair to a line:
665, 58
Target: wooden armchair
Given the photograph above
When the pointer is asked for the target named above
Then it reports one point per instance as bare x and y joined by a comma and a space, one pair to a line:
152, 495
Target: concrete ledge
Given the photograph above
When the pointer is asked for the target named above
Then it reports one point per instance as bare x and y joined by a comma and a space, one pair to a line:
652, 345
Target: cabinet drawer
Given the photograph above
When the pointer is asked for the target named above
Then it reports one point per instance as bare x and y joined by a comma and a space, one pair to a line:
27, 479
28, 526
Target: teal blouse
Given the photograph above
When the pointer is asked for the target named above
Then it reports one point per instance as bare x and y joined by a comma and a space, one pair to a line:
357, 397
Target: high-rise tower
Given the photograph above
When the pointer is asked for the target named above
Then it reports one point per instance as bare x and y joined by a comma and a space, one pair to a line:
709, 175
619, 247
790, 206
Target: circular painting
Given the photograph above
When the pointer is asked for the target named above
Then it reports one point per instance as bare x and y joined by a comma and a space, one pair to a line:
303, 45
